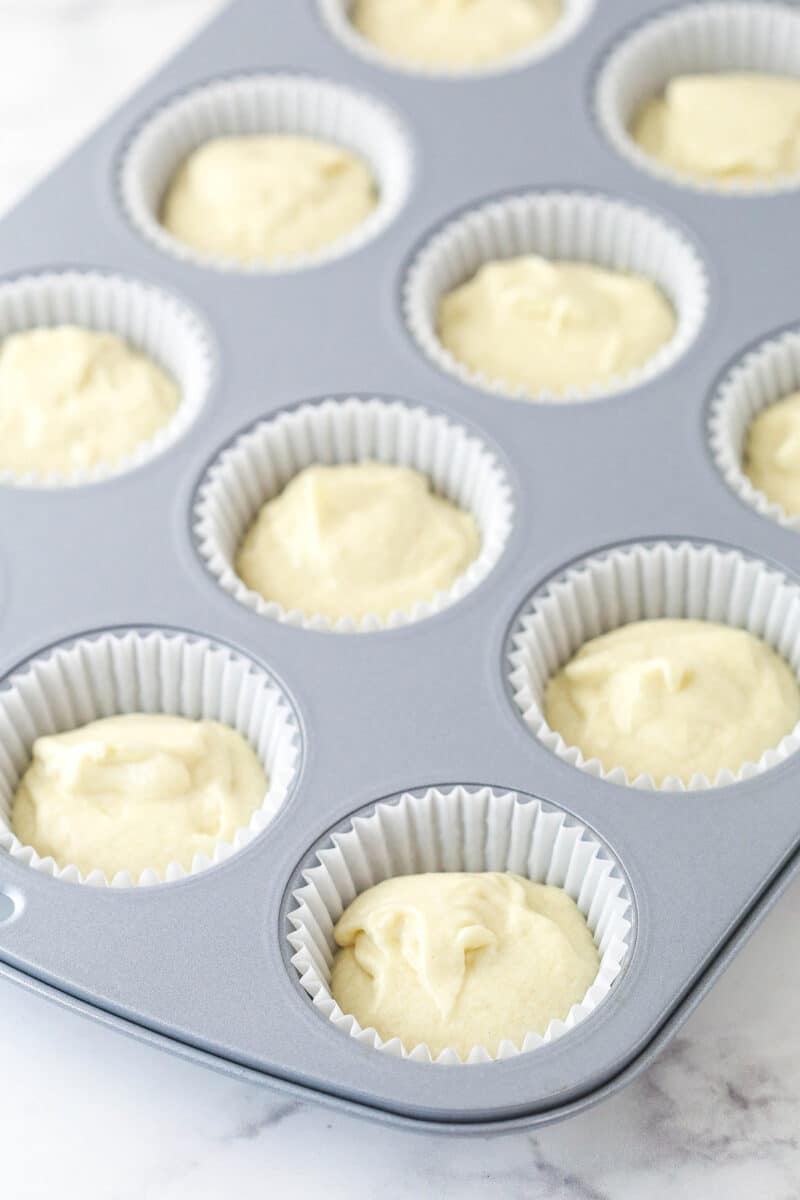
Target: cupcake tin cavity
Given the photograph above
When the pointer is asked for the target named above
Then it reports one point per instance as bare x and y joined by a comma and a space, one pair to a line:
151, 671
264, 459
457, 829
263, 103
336, 16
153, 321
557, 225
706, 37
338, 361
645, 582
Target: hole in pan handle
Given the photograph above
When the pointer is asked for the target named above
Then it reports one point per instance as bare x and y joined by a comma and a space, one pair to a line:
11, 901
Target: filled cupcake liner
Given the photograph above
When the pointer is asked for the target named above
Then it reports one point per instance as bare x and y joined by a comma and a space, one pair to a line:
645, 582
265, 104
557, 225
131, 671
153, 321
767, 374
462, 829
335, 15
261, 462
692, 39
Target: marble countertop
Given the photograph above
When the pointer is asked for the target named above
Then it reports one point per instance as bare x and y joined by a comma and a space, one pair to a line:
86, 1112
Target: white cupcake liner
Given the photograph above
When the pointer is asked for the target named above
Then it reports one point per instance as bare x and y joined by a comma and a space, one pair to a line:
127, 671
263, 104
767, 374
694, 39
336, 17
557, 225
261, 462
459, 830
153, 321
644, 582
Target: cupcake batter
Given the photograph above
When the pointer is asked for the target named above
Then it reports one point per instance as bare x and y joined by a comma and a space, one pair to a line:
453, 34
772, 453
553, 327
674, 697
258, 199
727, 127
356, 539
130, 792
72, 400
462, 960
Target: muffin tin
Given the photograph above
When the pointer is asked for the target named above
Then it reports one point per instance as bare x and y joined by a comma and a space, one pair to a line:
203, 964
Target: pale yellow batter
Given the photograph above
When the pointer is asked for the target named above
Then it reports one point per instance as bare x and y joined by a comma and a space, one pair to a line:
72, 400
454, 34
136, 791
727, 127
552, 327
772, 453
674, 697
259, 199
357, 539
462, 960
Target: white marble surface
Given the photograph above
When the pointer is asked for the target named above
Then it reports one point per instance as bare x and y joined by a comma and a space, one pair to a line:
85, 1112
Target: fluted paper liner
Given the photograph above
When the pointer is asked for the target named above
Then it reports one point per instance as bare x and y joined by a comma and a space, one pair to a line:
693, 39
130, 671
644, 582
153, 321
265, 104
263, 460
459, 830
335, 15
557, 225
765, 375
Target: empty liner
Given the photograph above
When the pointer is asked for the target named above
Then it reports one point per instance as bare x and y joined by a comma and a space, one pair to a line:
767, 374
151, 320
458, 830
261, 462
694, 39
557, 225
129, 671
645, 582
335, 15
264, 104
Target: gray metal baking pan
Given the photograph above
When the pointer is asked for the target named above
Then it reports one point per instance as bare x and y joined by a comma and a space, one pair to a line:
200, 965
